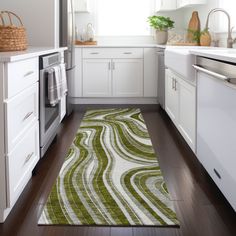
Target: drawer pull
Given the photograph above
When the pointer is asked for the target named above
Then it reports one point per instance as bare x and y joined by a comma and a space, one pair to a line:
28, 73
127, 53
94, 53
109, 66
28, 115
113, 66
28, 158
217, 174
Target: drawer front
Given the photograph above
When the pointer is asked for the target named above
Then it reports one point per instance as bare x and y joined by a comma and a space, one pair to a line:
21, 111
21, 162
21, 74
113, 53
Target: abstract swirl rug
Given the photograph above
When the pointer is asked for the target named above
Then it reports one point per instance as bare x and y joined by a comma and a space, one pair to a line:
110, 176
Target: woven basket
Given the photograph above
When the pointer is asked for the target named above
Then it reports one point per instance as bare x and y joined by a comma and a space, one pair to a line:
12, 38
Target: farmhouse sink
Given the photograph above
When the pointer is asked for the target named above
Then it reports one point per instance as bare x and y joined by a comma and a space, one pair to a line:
180, 60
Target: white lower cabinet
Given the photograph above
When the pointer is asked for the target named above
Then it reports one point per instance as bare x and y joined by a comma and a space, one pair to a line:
20, 163
121, 74
181, 106
112, 78
97, 78
19, 136
127, 77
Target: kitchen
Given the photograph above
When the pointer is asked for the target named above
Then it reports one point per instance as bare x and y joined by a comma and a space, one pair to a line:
94, 93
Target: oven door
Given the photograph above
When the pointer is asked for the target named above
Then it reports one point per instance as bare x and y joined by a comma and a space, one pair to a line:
49, 115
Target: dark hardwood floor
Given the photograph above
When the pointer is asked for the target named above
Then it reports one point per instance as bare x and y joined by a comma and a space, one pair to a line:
201, 208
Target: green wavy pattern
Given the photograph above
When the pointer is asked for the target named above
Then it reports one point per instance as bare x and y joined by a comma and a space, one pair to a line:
110, 176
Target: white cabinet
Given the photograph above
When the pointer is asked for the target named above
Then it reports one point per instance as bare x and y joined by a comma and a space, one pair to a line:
127, 77
19, 139
166, 5
97, 78
171, 100
81, 6
189, 3
112, 77
121, 74
181, 106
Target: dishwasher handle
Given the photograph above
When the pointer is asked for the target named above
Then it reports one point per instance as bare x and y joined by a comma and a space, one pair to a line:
212, 73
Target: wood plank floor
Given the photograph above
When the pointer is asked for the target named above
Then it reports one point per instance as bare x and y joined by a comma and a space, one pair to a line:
201, 208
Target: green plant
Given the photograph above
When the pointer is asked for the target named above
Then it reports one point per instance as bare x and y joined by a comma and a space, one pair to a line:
197, 34
160, 22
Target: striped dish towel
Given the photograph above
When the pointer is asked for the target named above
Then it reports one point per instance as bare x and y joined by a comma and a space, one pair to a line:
54, 85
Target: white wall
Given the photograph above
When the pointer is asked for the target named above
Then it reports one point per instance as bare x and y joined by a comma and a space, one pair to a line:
82, 19
40, 19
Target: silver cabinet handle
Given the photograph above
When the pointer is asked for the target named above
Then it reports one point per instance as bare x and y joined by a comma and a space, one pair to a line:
127, 53
212, 73
109, 65
28, 115
173, 83
113, 66
28, 73
28, 157
94, 53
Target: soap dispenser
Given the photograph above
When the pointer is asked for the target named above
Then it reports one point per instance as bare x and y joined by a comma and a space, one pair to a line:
90, 32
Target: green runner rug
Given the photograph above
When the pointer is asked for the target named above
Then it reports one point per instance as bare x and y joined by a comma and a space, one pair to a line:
110, 176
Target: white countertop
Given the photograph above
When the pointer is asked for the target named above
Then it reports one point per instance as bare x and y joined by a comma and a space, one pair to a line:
223, 54
30, 52
122, 46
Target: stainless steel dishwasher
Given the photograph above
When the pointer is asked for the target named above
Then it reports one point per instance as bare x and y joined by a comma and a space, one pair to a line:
216, 123
161, 76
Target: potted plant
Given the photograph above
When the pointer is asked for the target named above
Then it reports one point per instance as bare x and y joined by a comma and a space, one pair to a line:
161, 24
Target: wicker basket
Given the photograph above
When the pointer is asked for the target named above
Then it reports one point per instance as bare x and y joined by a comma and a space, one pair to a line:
12, 38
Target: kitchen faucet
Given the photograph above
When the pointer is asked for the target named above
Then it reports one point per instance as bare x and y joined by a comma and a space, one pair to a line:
230, 40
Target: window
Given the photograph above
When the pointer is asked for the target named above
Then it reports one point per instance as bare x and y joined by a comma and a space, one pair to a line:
230, 7
123, 17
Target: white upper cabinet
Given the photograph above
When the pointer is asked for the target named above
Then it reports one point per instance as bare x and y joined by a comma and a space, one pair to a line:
189, 3
81, 5
166, 5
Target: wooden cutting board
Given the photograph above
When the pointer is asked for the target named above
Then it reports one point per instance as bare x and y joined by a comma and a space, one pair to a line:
194, 25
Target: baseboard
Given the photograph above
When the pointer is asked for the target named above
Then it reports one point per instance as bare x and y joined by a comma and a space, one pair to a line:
118, 101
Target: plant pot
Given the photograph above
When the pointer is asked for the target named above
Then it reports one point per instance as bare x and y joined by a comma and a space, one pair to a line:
161, 36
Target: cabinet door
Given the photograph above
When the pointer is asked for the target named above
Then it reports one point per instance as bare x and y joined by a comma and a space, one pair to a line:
97, 78
187, 111
127, 77
171, 96
81, 5
165, 5
187, 3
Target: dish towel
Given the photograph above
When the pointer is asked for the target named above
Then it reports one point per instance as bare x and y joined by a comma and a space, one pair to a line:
63, 79
54, 85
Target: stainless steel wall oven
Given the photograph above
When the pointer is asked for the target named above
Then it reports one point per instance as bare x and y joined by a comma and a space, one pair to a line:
49, 115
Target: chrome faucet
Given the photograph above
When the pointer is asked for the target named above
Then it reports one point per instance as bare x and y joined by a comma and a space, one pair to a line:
230, 40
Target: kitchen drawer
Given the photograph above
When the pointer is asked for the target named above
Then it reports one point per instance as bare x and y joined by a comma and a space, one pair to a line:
21, 162
20, 112
21, 74
113, 53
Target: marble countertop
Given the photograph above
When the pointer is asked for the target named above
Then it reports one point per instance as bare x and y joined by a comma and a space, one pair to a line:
223, 54
145, 45
29, 53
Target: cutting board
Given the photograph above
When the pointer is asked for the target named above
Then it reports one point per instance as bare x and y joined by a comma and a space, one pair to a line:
86, 43
194, 25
